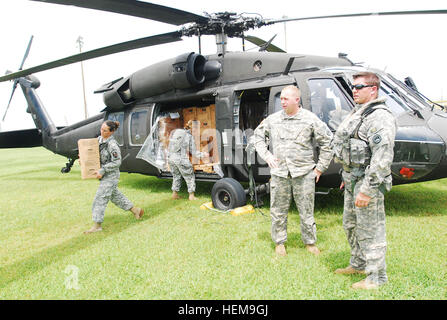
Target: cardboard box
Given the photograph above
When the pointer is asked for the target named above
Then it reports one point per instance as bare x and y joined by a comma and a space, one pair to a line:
189, 114
89, 157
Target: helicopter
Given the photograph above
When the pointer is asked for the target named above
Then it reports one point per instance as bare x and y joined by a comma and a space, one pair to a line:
227, 94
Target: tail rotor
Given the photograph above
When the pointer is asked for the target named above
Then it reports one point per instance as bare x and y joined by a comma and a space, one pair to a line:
14, 86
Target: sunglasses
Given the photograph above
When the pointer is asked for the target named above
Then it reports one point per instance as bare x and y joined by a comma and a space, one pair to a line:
361, 86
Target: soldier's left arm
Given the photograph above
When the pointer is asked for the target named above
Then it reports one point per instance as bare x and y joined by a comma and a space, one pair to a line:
115, 158
381, 133
323, 137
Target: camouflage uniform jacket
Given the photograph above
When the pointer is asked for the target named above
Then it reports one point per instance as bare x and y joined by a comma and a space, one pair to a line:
181, 143
376, 134
291, 138
110, 157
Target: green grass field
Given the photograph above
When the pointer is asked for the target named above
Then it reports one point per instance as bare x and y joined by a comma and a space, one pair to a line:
178, 251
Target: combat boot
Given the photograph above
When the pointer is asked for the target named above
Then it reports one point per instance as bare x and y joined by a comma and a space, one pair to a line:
365, 284
312, 249
137, 212
349, 270
281, 250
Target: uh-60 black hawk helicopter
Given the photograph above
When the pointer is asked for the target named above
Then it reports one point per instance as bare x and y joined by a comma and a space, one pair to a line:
228, 94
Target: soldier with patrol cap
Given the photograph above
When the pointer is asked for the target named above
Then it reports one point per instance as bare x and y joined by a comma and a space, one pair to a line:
181, 144
293, 168
109, 174
364, 144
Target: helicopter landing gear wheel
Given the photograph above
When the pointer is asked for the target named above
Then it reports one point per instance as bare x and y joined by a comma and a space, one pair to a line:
227, 193
68, 166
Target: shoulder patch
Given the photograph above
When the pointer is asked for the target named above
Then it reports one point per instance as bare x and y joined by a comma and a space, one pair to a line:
377, 138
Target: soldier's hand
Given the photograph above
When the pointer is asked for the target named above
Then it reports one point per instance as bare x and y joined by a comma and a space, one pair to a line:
98, 175
342, 185
362, 200
318, 174
273, 162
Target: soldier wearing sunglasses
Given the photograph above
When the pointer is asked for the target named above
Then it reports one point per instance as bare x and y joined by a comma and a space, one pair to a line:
364, 144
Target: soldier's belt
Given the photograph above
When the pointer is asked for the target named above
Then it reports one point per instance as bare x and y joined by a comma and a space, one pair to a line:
355, 166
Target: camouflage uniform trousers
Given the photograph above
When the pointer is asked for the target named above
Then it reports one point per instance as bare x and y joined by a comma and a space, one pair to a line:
108, 191
303, 190
365, 231
182, 168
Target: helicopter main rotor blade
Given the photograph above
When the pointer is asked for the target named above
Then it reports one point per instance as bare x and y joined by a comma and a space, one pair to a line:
119, 47
137, 9
260, 43
350, 15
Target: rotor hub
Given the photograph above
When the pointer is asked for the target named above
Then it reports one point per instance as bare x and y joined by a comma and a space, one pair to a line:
229, 23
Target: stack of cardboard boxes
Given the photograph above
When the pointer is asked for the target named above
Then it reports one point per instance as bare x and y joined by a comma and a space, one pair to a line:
203, 130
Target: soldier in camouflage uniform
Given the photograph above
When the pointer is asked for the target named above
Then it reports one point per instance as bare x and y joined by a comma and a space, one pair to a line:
109, 174
292, 165
181, 144
364, 144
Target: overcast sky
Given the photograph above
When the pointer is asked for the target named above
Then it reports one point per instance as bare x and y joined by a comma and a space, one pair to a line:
404, 46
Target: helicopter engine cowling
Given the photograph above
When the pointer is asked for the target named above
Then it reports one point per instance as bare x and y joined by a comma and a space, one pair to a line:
182, 72
185, 71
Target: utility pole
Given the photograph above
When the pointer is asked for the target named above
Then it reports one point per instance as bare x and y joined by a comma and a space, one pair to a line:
80, 42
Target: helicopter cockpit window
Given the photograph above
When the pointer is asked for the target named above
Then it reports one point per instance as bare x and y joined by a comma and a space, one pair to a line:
394, 103
118, 116
328, 102
138, 127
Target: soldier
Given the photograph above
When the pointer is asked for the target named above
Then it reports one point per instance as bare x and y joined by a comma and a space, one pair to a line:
292, 165
181, 144
109, 174
364, 144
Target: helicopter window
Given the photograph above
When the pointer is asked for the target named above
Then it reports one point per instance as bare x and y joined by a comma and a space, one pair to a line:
118, 116
396, 105
138, 127
328, 102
